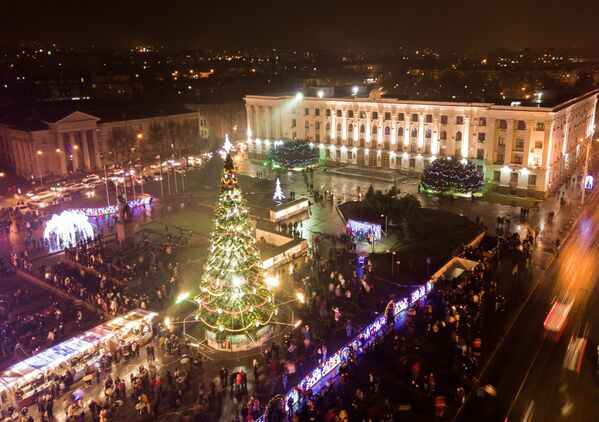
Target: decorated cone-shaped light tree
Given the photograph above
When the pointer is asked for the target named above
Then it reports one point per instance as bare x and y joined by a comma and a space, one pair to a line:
235, 301
278, 196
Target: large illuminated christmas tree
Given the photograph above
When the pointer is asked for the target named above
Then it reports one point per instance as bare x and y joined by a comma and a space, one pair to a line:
234, 297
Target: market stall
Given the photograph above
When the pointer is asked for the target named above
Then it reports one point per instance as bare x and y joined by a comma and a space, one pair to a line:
71, 359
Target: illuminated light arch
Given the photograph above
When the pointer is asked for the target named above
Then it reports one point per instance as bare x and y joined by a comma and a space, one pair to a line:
68, 227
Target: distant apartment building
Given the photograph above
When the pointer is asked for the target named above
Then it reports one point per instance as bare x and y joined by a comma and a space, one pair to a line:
523, 150
62, 141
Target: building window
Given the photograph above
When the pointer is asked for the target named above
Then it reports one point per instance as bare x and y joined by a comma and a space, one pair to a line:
338, 113
328, 153
480, 153
317, 112
459, 120
414, 132
481, 137
362, 115
532, 179
362, 129
317, 125
482, 121
350, 155
387, 131
350, 114
400, 132
428, 134
400, 117
521, 125
327, 112
514, 177
412, 162
375, 115
387, 116
414, 117
338, 129
502, 124
458, 136
540, 126
429, 118
328, 127
293, 135
306, 112
307, 125
338, 154
443, 120
517, 159
539, 144
374, 129
519, 144
350, 128
496, 176
443, 135
293, 123
501, 142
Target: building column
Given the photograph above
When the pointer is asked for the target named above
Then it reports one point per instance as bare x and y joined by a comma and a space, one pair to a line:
333, 126
393, 131
420, 130
344, 126
509, 141
73, 152
97, 149
86, 158
248, 117
435, 138
380, 132
267, 134
466, 137
407, 136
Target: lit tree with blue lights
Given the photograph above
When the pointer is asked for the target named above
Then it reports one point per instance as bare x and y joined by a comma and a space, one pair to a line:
452, 175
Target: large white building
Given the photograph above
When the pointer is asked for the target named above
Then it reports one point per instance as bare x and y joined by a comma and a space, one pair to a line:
524, 150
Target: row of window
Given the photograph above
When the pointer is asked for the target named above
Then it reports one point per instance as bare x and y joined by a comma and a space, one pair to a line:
514, 177
428, 118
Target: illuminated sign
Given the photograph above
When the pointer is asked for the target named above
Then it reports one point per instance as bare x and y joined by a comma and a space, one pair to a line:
588, 182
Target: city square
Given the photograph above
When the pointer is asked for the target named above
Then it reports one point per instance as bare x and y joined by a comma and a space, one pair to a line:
238, 236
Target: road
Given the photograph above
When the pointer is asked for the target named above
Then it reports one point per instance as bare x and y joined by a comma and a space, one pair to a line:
527, 368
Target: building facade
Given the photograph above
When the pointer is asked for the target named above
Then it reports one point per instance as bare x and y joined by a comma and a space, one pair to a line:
74, 142
527, 151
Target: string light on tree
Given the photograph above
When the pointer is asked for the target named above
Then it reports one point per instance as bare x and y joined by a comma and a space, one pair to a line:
452, 175
234, 299
227, 146
278, 196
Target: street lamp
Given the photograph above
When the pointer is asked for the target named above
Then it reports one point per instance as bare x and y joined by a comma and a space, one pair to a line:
39, 170
386, 224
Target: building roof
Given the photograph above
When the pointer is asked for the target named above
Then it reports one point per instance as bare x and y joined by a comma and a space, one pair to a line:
551, 101
36, 116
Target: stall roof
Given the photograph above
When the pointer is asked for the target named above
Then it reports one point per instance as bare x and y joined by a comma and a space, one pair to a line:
64, 351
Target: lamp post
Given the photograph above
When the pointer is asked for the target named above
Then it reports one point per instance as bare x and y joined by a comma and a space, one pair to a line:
105, 180
39, 170
386, 224
140, 137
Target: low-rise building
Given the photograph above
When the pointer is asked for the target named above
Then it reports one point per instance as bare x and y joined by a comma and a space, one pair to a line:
526, 150
63, 140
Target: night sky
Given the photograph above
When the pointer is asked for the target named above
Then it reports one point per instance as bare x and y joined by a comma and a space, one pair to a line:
331, 24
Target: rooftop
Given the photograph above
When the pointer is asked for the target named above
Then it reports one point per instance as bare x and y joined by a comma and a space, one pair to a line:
35, 116
549, 100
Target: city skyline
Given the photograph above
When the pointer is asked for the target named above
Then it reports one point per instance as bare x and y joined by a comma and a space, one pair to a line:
459, 26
